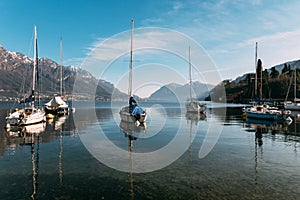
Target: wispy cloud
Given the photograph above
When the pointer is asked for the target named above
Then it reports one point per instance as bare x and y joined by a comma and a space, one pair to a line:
73, 61
282, 38
147, 38
151, 21
152, 47
227, 29
176, 7
279, 47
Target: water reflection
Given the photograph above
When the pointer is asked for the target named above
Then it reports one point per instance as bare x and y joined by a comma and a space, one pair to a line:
58, 125
132, 131
33, 135
195, 117
35, 164
29, 135
192, 119
259, 160
266, 126
258, 147
266, 131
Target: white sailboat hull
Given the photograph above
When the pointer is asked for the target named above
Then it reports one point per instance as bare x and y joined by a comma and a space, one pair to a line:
25, 117
128, 117
195, 107
36, 117
292, 106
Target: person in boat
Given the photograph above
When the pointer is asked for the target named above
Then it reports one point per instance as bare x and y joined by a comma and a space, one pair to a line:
132, 104
134, 109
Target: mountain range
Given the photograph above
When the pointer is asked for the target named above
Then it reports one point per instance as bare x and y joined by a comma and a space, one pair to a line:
16, 79
179, 93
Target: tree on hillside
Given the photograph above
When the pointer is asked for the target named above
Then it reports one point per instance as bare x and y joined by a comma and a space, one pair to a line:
284, 69
297, 72
290, 72
265, 75
274, 73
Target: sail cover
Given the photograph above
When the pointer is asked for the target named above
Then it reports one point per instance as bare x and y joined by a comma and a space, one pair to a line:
55, 102
28, 99
137, 110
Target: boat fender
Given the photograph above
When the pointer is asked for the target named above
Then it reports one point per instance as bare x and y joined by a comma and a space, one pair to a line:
137, 123
287, 112
7, 126
289, 119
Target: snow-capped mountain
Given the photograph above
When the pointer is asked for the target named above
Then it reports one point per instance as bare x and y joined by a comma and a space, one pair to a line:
16, 75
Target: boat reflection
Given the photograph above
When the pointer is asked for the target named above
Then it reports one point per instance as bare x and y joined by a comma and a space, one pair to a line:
33, 135
58, 125
24, 131
258, 155
266, 126
30, 135
265, 130
192, 120
130, 148
35, 146
132, 131
195, 117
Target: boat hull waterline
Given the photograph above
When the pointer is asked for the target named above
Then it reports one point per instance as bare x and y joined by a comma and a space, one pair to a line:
129, 117
24, 117
195, 107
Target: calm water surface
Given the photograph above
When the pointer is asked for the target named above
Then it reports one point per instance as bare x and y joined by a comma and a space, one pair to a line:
251, 160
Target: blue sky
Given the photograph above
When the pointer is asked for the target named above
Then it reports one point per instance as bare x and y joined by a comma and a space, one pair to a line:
226, 30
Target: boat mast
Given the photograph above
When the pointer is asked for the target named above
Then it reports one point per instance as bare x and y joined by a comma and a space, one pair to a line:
34, 64
190, 73
60, 91
130, 64
295, 86
255, 94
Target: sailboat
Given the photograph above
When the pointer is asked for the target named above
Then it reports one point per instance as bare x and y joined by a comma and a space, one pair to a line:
193, 105
293, 105
263, 109
132, 112
57, 105
30, 114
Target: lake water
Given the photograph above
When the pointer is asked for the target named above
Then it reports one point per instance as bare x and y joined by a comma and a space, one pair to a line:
91, 154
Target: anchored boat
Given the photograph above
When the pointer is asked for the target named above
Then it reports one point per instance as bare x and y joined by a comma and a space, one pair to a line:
193, 105
133, 112
57, 105
30, 114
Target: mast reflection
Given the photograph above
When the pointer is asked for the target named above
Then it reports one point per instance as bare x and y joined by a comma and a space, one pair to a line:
192, 119
35, 164
132, 131
58, 125
30, 135
195, 117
